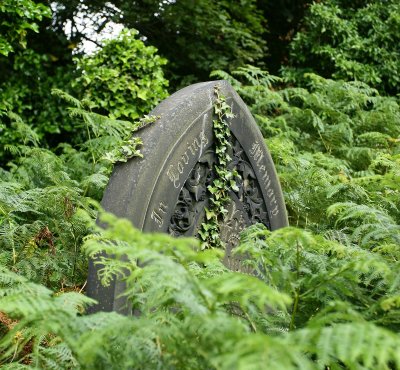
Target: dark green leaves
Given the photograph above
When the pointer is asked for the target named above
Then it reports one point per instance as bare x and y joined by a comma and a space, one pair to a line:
124, 79
225, 178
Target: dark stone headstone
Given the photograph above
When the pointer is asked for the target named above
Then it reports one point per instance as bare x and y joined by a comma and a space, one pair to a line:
166, 190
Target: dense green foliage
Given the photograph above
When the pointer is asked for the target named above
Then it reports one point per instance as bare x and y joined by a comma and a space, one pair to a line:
124, 79
18, 17
332, 142
351, 41
199, 315
46, 197
327, 289
38, 60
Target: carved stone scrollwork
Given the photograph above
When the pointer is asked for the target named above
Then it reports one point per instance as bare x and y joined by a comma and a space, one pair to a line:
193, 197
246, 207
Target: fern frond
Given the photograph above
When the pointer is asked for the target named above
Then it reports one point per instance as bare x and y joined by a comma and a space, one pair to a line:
356, 345
67, 97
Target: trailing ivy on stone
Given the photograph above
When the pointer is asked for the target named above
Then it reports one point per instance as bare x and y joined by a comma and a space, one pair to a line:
225, 179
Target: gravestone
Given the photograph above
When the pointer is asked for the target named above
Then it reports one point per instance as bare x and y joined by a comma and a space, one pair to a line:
166, 190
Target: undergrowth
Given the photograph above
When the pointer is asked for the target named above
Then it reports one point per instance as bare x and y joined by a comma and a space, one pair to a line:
48, 197
325, 292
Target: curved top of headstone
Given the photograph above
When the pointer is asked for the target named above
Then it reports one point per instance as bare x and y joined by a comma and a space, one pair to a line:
131, 185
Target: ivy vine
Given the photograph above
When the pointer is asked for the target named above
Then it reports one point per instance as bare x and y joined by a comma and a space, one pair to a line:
130, 147
225, 180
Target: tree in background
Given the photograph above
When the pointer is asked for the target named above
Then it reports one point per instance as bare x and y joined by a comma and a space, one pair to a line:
351, 41
195, 36
200, 36
284, 21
